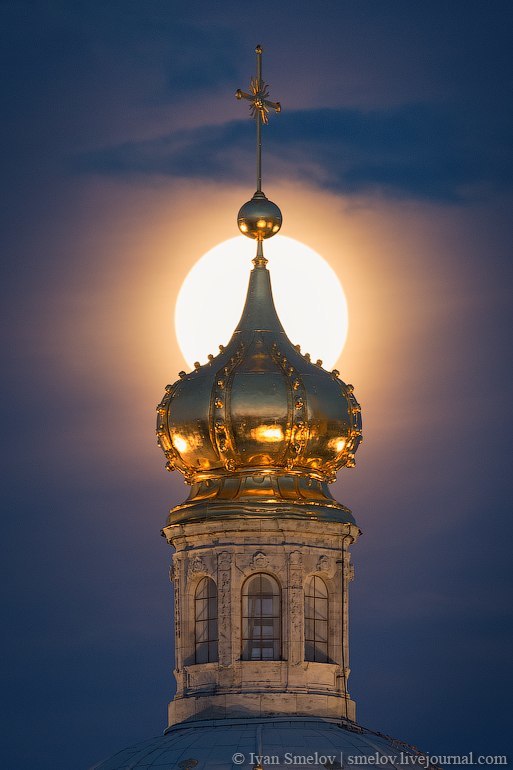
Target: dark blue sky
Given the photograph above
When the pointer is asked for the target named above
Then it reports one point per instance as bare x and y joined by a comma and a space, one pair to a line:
125, 157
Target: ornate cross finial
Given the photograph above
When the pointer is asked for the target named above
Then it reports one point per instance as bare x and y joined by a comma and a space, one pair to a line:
259, 108
259, 218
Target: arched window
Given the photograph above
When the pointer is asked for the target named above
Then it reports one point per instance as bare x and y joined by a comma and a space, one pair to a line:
316, 620
261, 618
205, 617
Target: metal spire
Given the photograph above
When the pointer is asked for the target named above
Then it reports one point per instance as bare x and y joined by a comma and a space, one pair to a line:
259, 109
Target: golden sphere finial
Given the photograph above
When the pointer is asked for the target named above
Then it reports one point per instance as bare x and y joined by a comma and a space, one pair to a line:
259, 218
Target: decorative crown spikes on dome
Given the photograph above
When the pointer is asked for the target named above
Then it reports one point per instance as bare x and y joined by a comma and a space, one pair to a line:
259, 419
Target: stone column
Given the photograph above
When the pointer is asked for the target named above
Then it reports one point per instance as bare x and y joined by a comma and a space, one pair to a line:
224, 608
296, 610
177, 578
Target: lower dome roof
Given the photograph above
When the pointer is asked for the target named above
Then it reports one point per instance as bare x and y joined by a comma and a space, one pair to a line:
286, 742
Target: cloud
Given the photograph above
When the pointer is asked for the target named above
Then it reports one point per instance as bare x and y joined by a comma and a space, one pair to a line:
412, 151
149, 46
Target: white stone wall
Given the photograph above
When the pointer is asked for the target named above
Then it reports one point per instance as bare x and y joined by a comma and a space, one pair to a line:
229, 551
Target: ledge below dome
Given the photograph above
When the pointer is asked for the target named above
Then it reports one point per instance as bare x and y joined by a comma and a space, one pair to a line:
254, 705
262, 494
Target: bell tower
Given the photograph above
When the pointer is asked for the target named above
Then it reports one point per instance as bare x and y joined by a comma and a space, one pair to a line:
261, 568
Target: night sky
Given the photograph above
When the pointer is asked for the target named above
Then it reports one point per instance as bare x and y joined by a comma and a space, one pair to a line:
126, 157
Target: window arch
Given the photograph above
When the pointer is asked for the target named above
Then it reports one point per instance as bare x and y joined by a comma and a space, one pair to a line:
205, 621
261, 618
316, 620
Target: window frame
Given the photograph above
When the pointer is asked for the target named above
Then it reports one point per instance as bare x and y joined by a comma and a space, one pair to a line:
209, 622
310, 619
262, 642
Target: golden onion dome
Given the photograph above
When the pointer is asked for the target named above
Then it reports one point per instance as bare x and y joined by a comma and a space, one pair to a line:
259, 429
259, 408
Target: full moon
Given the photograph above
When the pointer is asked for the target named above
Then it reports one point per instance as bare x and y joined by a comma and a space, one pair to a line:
307, 293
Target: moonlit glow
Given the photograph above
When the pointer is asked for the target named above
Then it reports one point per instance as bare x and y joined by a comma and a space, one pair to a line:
309, 298
268, 433
179, 442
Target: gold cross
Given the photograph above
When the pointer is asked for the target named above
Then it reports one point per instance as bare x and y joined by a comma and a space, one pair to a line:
259, 103
259, 106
